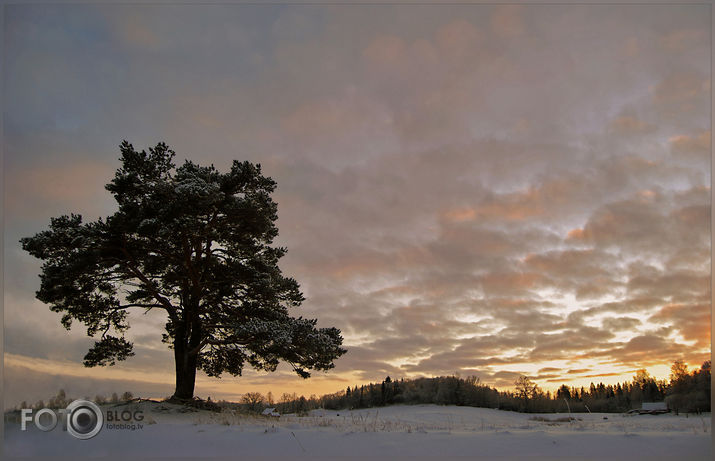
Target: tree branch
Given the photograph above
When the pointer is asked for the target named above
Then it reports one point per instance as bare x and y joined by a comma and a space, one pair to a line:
126, 306
165, 303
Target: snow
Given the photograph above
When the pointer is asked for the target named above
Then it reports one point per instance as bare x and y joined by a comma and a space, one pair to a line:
388, 432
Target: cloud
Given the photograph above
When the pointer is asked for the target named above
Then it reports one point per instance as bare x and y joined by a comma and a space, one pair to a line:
385, 50
578, 371
512, 207
460, 214
582, 340
682, 93
681, 40
486, 189
506, 20
631, 47
645, 223
692, 321
694, 145
73, 187
579, 264
651, 281
643, 350
30, 385
458, 40
621, 324
602, 375
628, 124
353, 124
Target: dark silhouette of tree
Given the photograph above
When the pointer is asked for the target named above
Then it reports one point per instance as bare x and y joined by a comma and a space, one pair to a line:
689, 392
302, 406
195, 243
526, 389
678, 371
563, 392
253, 401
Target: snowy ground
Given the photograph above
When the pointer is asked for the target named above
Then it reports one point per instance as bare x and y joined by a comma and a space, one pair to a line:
397, 431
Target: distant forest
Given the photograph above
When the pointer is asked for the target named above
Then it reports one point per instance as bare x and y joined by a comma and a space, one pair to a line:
684, 392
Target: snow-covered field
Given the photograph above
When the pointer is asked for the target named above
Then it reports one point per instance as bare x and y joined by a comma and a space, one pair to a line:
390, 432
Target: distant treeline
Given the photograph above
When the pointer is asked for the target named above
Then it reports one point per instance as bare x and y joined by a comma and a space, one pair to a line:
684, 392
61, 400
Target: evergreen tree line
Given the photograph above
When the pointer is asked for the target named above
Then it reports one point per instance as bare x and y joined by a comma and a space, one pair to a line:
687, 392
684, 392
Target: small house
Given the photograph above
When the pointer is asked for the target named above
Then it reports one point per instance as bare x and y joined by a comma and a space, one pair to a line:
270, 412
654, 408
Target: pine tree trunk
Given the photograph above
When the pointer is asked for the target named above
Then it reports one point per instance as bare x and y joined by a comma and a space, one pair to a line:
185, 376
185, 367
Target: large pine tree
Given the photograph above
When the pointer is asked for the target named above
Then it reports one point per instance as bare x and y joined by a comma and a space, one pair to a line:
195, 243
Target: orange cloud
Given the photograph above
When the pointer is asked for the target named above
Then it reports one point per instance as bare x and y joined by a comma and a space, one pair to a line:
508, 211
578, 371
540, 200
692, 321
602, 375
460, 214
576, 234
685, 144
513, 207
627, 124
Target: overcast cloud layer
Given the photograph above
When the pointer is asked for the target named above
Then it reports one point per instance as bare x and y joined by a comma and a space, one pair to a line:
488, 190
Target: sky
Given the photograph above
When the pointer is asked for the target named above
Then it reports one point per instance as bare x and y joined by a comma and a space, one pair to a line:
488, 190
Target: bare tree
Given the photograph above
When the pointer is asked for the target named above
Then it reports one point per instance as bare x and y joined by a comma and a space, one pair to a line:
253, 401
526, 389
